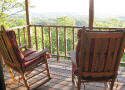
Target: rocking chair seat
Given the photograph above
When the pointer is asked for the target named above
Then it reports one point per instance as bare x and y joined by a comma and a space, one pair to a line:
33, 57
28, 52
34, 53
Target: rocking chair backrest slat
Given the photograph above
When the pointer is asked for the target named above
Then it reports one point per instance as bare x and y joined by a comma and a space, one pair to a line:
8, 51
101, 51
102, 55
120, 53
109, 52
3, 50
115, 53
87, 55
94, 59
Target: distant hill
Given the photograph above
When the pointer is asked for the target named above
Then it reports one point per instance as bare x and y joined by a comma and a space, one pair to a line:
56, 14
79, 18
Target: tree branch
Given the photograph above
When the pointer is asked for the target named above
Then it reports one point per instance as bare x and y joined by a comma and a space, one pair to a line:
13, 14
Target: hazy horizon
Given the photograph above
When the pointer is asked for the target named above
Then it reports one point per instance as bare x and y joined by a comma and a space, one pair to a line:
103, 8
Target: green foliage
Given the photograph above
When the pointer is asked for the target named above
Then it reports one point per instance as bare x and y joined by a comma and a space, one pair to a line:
9, 8
109, 22
65, 21
81, 21
43, 21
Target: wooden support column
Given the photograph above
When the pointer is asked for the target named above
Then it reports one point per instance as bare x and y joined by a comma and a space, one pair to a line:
2, 82
28, 22
91, 13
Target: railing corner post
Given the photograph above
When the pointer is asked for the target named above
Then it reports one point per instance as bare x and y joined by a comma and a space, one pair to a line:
29, 37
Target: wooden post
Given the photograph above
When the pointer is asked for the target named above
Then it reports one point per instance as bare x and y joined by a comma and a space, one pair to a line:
2, 83
28, 22
57, 39
91, 13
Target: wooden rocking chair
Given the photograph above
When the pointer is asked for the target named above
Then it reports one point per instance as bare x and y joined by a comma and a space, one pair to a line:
23, 62
97, 57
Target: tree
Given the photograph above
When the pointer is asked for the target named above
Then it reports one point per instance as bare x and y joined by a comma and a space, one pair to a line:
9, 8
65, 21
110, 22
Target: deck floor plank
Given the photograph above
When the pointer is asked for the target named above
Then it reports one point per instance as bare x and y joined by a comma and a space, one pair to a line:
61, 78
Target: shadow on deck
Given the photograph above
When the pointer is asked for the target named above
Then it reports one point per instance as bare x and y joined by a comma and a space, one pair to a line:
61, 74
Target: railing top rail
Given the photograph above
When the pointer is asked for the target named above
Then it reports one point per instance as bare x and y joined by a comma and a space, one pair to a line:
76, 27
107, 28
18, 27
56, 26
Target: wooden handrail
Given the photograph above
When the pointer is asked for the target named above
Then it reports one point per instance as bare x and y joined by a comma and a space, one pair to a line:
76, 27
15, 28
18, 27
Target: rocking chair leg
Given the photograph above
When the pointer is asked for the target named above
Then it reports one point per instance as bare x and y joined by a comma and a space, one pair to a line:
79, 83
112, 84
11, 73
73, 83
72, 75
25, 82
48, 72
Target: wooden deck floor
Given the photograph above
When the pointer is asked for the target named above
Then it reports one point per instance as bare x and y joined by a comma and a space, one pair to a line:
61, 79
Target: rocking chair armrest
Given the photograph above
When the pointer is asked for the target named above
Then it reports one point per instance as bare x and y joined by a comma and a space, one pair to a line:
43, 51
36, 55
23, 46
122, 63
73, 57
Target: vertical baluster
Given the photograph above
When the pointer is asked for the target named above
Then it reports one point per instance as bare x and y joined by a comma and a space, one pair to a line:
42, 31
100, 29
19, 36
110, 29
50, 40
36, 38
57, 38
24, 35
65, 41
73, 38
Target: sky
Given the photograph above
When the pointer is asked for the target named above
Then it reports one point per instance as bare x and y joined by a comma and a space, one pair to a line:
102, 7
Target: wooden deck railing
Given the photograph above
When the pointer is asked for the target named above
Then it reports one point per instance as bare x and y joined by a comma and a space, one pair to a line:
60, 40
48, 30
